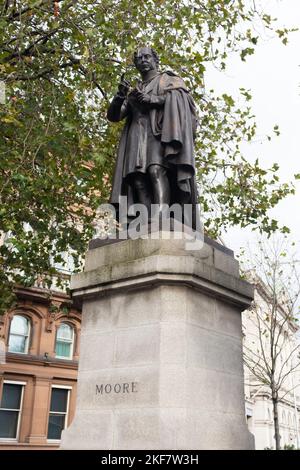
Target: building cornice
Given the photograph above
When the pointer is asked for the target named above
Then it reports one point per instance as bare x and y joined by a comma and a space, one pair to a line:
41, 361
42, 295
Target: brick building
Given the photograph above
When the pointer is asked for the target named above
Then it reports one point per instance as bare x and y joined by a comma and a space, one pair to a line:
40, 336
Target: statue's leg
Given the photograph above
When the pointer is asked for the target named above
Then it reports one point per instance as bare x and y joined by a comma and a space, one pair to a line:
141, 189
160, 184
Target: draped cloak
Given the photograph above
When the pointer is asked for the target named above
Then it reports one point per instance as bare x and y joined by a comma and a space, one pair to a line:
170, 129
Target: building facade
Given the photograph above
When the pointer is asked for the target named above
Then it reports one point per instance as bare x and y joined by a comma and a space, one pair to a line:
40, 336
258, 403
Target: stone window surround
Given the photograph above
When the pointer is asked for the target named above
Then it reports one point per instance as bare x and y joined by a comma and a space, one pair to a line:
29, 335
22, 384
64, 387
35, 317
74, 339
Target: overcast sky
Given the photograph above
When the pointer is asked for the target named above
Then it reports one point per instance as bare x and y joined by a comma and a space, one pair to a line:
273, 75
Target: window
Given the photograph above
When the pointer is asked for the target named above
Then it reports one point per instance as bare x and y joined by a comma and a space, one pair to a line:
10, 410
19, 334
58, 412
64, 341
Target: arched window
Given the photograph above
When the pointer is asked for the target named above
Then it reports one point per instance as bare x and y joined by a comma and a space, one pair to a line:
64, 341
19, 334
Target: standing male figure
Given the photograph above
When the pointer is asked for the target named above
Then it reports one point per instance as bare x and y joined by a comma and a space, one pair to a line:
156, 162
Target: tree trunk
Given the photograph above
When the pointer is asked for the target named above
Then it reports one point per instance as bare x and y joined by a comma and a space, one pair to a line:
276, 422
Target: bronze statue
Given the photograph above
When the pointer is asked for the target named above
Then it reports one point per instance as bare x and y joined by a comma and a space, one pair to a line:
156, 162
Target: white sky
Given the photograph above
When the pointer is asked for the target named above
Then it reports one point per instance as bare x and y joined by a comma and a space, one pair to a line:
273, 75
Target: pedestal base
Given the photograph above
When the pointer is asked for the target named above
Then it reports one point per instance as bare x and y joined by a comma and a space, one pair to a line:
161, 349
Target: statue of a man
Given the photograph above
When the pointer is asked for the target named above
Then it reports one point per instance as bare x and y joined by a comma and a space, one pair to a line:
156, 162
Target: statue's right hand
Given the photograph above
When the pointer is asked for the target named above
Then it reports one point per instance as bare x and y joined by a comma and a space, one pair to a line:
123, 88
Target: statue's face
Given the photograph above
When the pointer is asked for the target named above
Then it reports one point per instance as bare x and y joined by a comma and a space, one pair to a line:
144, 60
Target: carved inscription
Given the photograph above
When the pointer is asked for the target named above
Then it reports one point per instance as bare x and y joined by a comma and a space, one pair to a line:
122, 388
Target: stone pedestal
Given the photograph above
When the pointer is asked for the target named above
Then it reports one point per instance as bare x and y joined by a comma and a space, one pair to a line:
161, 348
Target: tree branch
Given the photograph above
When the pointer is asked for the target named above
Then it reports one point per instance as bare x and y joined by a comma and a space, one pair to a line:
18, 14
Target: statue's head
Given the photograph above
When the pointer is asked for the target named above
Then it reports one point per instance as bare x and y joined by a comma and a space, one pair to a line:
145, 59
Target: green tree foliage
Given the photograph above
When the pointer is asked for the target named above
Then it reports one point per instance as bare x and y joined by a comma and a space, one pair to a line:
60, 62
